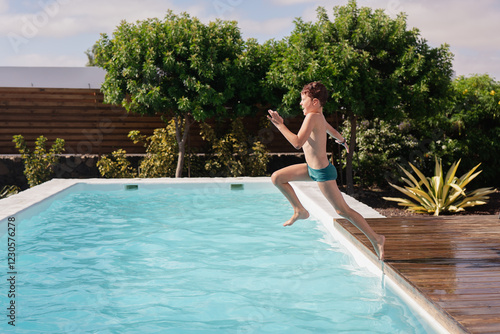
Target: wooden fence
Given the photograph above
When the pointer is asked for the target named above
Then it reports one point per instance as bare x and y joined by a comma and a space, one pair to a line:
89, 126
76, 115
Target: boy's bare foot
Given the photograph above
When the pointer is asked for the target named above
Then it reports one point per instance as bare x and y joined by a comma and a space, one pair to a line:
380, 248
303, 214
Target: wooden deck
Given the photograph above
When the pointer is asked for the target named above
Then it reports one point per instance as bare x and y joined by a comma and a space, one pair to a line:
453, 261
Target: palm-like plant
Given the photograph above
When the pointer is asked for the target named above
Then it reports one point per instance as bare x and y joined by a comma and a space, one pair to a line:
439, 194
7, 191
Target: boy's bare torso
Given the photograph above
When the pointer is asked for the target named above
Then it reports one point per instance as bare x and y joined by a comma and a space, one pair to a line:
315, 146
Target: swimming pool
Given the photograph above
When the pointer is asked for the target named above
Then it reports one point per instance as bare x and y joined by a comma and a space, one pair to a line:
190, 258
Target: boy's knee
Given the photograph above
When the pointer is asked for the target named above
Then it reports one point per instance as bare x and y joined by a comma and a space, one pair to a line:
341, 213
275, 178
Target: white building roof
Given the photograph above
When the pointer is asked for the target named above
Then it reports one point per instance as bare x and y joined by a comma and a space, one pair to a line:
52, 77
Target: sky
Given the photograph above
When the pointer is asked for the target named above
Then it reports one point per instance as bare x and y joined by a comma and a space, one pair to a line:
58, 32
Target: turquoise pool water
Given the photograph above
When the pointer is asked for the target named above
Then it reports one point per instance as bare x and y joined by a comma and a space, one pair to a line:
191, 259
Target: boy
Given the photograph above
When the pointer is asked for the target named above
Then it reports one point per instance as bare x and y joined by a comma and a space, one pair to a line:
312, 139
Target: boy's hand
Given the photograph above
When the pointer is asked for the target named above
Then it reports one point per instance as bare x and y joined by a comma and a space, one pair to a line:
343, 143
274, 117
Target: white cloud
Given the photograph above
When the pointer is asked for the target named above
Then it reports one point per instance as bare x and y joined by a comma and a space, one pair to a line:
467, 63
292, 2
28, 28
62, 18
310, 15
4, 6
261, 27
267, 28
471, 30
456, 22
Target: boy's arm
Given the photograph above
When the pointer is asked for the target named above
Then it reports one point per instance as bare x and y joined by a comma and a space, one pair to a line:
335, 134
297, 140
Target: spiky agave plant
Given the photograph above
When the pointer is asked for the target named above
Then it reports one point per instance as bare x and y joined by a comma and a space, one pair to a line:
439, 194
8, 191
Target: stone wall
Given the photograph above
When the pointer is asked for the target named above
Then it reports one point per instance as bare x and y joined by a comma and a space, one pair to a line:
77, 167
83, 167
11, 172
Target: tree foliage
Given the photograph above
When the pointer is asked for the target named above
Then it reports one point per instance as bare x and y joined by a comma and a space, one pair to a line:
466, 129
381, 74
381, 145
181, 68
469, 127
373, 66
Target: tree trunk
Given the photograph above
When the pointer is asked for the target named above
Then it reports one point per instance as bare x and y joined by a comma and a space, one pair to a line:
181, 140
352, 147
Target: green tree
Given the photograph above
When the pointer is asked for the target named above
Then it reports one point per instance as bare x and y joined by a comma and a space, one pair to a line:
182, 69
90, 53
381, 145
373, 66
469, 128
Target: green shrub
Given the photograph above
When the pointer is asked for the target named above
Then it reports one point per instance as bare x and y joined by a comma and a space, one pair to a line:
440, 193
116, 166
160, 159
233, 153
257, 160
380, 145
161, 152
468, 128
39, 164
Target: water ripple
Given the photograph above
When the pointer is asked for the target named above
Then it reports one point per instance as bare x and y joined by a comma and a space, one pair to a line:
182, 260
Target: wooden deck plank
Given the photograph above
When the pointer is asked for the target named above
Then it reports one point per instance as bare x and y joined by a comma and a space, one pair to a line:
454, 261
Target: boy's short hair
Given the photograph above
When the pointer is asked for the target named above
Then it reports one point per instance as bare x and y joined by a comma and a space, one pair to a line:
316, 90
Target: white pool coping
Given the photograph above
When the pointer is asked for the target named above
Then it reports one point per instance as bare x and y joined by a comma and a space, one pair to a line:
313, 200
16, 204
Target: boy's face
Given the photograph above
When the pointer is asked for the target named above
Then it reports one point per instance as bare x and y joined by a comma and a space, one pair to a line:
309, 104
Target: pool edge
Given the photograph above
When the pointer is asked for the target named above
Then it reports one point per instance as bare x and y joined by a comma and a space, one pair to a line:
433, 310
15, 205
322, 210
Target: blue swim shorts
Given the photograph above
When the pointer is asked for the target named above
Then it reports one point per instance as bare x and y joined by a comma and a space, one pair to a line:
324, 174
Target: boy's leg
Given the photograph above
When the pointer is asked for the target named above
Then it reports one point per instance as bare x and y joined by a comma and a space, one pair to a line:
281, 179
334, 196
